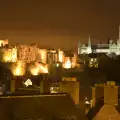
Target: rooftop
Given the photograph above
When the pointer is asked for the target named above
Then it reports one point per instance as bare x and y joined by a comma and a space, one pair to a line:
35, 106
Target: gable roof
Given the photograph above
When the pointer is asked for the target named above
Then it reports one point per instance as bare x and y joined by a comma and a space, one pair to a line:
93, 111
107, 112
103, 112
38, 105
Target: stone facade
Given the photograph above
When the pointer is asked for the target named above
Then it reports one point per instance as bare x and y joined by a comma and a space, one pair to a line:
111, 47
27, 53
8, 54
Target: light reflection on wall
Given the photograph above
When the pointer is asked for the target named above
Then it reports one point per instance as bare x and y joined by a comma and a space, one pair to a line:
38, 68
3, 42
43, 54
14, 55
18, 68
74, 60
9, 55
67, 63
61, 56
70, 62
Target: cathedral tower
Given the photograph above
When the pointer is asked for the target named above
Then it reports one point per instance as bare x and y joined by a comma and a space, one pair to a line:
119, 33
118, 41
79, 47
89, 41
89, 50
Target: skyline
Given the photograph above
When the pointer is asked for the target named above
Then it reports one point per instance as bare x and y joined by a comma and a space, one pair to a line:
60, 24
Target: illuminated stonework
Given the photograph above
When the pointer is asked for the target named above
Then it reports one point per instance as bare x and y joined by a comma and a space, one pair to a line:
43, 55
74, 60
18, 68
67, 63
111, 47
8, 54
34, 70
38, 68
3, 42
27, 53
70, 62
61, 56
33, 54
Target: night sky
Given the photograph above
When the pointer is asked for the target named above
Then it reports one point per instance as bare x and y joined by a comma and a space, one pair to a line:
59, 23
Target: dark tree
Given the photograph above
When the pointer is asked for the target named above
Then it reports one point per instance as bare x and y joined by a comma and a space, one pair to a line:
110, 68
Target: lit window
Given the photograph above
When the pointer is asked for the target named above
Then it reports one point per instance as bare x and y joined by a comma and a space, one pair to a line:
54, 89
28, 82
86, 101
91, 59
57, 65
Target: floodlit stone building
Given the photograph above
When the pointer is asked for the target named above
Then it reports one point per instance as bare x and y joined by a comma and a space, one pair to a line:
8, 54
27, 53
111, 47
3, 42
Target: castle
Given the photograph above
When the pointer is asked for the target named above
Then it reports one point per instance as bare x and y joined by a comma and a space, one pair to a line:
108, 48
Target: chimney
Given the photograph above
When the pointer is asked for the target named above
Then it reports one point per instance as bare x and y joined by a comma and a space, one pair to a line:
111, 93
97, 93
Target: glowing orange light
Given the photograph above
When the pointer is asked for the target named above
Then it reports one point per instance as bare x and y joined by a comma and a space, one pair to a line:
10, 55
43, 69
7, 58
35, 71
43, 54
18, 69
38, 68
61, 56
67, 64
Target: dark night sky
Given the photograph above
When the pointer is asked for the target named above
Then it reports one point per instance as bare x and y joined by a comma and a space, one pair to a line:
59, 22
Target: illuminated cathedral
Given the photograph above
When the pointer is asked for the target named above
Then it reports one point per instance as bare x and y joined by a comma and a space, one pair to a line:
108, 48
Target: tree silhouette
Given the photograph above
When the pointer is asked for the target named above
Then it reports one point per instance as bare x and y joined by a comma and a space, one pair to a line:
110, 68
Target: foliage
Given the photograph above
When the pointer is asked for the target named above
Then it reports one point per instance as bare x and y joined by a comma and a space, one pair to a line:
108, 70
110, 67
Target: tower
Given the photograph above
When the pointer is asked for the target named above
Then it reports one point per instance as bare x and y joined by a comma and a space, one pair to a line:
119, 33
89, 50
79, 47
89, 41
118, 43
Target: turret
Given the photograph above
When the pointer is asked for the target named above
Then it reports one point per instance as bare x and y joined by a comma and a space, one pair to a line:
79, 47
110, 42
89, 42
118, 41
89, 50
119, 33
